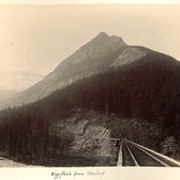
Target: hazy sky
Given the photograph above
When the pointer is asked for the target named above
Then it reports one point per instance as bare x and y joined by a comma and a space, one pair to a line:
38, 38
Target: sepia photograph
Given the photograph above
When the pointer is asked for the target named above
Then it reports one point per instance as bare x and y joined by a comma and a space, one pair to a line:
95, 85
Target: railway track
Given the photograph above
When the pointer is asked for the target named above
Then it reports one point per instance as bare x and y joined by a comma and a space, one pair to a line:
132, 154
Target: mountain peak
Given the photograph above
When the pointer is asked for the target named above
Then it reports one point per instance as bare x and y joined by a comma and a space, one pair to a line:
102, 44
102, 35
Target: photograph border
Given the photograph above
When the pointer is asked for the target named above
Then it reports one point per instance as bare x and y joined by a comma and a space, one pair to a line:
103, 173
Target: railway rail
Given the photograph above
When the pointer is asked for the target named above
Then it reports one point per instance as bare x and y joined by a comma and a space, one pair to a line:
132, 154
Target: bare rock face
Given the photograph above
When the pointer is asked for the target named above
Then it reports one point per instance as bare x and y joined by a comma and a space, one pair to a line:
129, 55
98, 55
89, 135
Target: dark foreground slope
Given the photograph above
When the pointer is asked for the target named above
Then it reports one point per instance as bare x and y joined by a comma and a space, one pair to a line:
144, 95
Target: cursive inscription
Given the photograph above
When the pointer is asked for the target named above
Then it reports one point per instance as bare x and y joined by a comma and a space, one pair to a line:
74, 174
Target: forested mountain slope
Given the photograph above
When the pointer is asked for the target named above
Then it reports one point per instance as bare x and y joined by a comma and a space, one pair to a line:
144, 97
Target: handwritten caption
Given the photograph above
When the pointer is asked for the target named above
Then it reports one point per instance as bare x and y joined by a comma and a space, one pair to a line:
63, 174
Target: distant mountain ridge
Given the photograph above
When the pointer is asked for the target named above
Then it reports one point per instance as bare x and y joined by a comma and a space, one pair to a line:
19, 80
96, 56
14, 82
